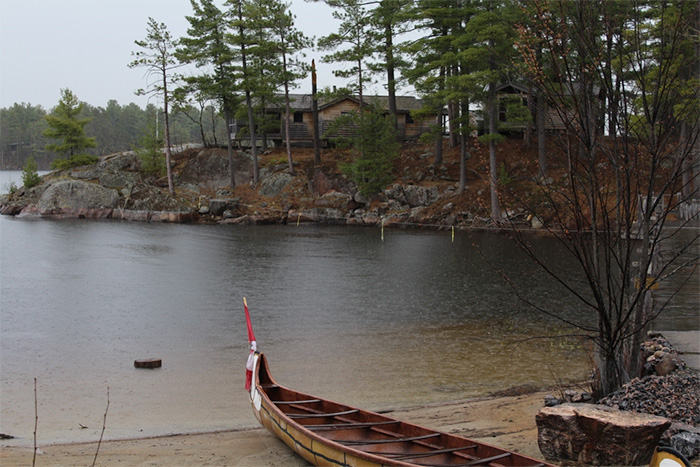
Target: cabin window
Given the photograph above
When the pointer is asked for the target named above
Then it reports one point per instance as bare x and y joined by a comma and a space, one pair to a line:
298, 117
502, 112
409, 118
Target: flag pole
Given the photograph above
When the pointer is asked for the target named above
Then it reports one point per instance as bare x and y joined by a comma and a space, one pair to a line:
253, 347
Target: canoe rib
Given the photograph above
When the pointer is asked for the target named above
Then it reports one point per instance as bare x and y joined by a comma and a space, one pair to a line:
357, 436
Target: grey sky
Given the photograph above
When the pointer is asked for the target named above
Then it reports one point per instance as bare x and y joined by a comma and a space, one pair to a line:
86, 45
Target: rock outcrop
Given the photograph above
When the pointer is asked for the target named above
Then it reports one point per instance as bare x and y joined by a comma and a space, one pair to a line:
114, 188
74, 198
111, 189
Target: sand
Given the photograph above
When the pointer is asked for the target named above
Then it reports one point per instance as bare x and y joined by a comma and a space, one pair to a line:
507, 422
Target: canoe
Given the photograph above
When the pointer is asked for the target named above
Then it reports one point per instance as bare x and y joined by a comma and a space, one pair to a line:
327, 433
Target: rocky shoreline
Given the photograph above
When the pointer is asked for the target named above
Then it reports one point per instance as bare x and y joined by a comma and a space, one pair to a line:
669, 389
115, 188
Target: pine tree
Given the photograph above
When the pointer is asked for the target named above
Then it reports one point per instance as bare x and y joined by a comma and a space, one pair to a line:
30, 177
207, 46
65, 124
490, 34
390, 19
158, 56
242, 39
374, 147
288, 43
356, 34
441, 71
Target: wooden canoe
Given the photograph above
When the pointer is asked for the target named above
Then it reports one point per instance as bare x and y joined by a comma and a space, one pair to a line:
327, 433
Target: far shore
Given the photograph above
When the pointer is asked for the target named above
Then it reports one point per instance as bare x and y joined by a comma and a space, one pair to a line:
507, 422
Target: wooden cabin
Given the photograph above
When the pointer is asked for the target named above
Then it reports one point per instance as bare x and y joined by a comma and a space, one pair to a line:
301, 116
506, 93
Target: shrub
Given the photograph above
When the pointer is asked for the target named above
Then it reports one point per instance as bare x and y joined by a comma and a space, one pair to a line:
373, 142
30, 177
150, 153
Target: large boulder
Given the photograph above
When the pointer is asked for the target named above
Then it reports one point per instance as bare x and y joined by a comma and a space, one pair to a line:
420, 195
597, 435
321, 182
273, 184
209, 169
76, 198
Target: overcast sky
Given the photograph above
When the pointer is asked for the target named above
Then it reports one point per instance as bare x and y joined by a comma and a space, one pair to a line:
86, 45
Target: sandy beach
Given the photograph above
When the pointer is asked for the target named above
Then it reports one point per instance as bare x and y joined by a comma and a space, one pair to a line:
507, 422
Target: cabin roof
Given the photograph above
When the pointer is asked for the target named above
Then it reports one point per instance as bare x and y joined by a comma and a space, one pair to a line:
303, 102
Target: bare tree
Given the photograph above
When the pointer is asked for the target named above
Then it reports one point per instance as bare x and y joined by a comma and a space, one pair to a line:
611, 209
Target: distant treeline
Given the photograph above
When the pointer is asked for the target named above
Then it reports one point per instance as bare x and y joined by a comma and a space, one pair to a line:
115, 128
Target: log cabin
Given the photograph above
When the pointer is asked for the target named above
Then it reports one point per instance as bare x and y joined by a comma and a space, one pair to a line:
301, 118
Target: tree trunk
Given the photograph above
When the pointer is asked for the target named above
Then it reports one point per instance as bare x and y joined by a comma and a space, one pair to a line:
463, 147
314, 109
493, 118
248, 100
438, 121
168, 155
391, 80
611, 375
229, 145
287, 125
541, 138
493, 165
530, 108
438, 139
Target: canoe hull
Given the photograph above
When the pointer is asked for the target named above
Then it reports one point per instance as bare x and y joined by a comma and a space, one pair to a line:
335, 434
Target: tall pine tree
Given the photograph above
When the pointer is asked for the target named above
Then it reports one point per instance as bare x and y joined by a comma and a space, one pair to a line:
157, 55
65, 124
207, 46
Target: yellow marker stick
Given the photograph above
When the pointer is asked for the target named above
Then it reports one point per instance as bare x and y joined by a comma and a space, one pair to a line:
298, 218
453, 233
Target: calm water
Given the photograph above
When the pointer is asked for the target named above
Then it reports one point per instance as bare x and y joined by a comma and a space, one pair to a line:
416, 318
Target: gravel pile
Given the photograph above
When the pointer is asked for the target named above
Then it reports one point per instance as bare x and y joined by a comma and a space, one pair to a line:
676, 396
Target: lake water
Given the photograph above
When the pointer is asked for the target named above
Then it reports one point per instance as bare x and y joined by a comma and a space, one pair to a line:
416, 318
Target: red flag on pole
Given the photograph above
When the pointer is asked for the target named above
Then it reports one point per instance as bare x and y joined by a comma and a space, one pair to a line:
253, 348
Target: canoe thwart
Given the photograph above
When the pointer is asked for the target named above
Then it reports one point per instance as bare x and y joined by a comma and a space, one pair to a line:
349, 425
417, 455
487, 460
387, 440
321, 414
308, 401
